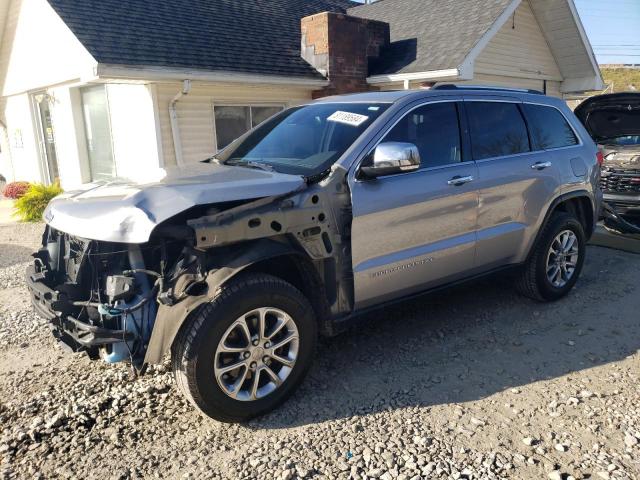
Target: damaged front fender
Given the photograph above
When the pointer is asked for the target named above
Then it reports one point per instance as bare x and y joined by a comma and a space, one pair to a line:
170, 318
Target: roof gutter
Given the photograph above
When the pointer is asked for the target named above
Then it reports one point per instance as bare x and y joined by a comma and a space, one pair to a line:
173, 117
583, 84
448, 74
159, 74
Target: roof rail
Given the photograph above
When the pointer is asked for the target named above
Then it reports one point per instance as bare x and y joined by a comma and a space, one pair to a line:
451, 86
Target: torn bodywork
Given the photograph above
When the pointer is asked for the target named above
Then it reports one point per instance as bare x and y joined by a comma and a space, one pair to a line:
301, 232
124, 301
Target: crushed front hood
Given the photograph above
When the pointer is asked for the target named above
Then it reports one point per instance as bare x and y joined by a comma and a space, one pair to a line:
127, 212
609, 116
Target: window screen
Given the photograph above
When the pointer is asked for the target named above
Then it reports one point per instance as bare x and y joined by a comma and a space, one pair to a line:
549, 128
434, 129
497, 129
234, 121
97, 129
260, 114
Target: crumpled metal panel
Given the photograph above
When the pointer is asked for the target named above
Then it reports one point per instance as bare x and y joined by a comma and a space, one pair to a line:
127, 212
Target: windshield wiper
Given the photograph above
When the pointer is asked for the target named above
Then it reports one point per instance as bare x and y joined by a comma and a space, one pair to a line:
238, 162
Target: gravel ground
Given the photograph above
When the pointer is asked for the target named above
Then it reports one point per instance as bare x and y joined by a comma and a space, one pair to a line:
475, 382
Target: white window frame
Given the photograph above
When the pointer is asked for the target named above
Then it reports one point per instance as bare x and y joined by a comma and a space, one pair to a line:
251, 105
84, 125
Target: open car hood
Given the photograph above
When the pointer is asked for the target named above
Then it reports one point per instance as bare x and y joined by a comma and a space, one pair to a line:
127, 212
613, 115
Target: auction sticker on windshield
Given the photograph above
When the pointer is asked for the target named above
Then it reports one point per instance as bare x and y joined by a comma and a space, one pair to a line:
349, 118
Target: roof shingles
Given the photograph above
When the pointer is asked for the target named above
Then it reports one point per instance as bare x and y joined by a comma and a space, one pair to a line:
256, 36
429, 35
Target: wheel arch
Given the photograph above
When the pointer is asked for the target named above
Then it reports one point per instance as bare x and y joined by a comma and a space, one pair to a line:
276, 258
582, 208
579, 203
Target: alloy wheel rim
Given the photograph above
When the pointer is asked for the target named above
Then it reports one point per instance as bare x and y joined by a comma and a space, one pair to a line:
562, 258
256, 354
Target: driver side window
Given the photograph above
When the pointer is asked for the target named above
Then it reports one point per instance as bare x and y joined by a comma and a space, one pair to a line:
433, 128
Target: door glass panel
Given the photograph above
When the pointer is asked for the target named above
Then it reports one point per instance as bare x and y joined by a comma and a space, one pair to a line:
231, 123
98, 132
497, 129
549, 128
260, 114
47, 136
434, 129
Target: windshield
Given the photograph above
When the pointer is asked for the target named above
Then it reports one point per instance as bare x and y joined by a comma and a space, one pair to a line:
303, 140
622, 141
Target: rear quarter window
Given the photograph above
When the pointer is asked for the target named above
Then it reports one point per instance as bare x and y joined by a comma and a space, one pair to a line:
497, 129
548, 127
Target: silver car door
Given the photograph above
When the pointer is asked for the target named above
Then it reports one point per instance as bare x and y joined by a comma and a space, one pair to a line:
515, 184
412, 231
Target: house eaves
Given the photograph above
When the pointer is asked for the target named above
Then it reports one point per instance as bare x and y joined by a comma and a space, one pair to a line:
141, 74
435, 75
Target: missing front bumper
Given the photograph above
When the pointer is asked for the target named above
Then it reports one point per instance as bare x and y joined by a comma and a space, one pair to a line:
73, 334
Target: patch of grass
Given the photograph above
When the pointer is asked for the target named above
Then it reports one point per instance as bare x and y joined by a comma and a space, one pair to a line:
622, 79
31, 206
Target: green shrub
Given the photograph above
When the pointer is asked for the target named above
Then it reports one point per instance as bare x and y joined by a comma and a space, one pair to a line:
31, 205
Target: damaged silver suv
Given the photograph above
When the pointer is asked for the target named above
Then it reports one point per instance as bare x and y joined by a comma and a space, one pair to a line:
235, 265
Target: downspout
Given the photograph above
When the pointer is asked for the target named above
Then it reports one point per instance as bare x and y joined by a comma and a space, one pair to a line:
173, 118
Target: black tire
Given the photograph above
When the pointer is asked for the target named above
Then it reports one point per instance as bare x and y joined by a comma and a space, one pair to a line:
533, 281
194, 350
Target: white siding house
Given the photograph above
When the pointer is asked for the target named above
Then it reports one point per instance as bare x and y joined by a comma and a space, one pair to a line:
90, 90
196, 113
533, 44
519, 55
65, 115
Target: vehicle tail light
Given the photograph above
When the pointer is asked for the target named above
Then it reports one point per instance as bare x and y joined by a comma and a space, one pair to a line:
600, 158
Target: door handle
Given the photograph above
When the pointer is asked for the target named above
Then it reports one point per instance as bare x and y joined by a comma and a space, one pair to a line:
458, 180
541, 165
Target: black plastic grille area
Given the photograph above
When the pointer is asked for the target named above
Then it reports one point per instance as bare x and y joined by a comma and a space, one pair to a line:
618, 180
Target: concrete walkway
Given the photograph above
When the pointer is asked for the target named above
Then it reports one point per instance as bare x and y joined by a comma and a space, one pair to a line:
6, 212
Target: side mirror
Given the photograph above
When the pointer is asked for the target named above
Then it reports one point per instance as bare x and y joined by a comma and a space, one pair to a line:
392, 157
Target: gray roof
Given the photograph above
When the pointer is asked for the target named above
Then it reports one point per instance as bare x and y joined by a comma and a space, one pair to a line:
430, 34
245, 36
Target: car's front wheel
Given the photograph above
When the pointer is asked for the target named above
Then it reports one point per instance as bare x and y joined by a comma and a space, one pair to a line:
245, 352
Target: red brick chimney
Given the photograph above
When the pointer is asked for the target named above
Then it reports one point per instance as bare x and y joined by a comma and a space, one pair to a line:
340, 47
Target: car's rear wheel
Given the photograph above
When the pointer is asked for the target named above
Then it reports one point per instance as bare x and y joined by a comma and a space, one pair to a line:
556, 261
245, 352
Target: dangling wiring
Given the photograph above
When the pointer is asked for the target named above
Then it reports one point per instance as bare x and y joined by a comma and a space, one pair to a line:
617, 223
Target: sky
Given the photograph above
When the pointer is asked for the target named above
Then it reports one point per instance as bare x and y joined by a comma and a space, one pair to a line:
613, 28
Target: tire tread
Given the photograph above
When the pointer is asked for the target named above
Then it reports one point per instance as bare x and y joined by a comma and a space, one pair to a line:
527, 282
185, 343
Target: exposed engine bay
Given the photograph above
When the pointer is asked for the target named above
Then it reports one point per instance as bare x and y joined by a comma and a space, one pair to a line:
103, 293
613, 121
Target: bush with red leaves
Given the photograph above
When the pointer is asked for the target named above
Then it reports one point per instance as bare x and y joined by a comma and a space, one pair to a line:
16, 190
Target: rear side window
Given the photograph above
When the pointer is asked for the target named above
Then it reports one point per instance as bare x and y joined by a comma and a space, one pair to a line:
434, 129
497, 129
549, 128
